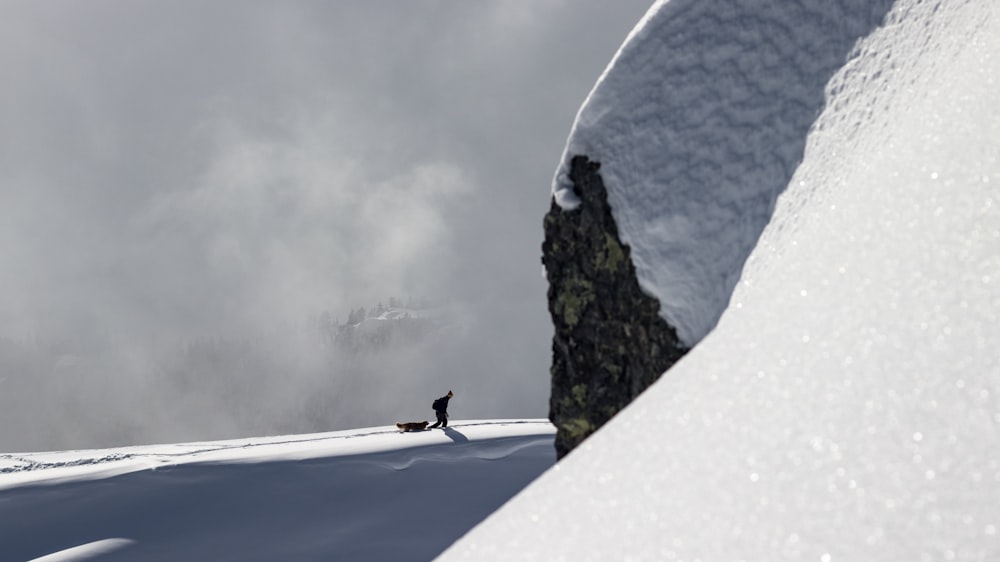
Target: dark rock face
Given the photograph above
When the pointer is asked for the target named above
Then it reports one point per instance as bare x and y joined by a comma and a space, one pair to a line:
610, 343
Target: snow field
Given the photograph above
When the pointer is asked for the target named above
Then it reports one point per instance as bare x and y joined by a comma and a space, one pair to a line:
373, 494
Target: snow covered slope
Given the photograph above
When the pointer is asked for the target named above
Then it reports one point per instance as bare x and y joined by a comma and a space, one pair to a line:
371, 494
847, 405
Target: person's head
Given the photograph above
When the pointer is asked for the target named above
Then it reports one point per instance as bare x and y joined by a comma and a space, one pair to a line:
450, 394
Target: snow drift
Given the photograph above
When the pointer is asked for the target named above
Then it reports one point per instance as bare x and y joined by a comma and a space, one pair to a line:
699, 123
846, 405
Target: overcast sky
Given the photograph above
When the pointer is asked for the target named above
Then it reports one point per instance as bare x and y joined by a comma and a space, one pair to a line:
180, 168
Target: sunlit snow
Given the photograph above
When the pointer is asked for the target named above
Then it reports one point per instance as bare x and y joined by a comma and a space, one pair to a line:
846, 405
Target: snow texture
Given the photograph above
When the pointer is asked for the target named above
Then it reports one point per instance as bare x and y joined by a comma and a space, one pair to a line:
847, 406
87, 551
698, 123
368, 494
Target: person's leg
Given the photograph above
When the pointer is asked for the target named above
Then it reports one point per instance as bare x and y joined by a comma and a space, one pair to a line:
444, 419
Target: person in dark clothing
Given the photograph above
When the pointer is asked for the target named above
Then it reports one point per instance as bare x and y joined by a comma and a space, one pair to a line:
441, 410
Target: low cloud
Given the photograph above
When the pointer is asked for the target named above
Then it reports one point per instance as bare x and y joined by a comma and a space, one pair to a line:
185, 189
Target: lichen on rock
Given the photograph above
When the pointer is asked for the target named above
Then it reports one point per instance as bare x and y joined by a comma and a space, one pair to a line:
610, 342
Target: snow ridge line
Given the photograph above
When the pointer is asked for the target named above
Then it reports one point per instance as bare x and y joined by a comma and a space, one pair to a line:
30, 465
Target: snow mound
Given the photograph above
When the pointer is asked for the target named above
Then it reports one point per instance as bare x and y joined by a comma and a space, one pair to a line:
846, 406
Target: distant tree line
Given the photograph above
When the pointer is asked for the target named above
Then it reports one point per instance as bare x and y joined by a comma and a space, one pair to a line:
377, 328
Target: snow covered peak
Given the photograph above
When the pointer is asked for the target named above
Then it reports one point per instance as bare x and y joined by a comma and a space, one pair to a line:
845, 407
698, 124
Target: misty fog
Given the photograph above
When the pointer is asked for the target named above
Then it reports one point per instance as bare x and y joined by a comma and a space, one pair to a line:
191, 194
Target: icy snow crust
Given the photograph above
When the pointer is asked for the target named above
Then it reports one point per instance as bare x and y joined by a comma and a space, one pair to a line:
698, 123
365, 494
847, 406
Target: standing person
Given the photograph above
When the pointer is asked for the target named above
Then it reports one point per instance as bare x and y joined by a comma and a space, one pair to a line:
441, 410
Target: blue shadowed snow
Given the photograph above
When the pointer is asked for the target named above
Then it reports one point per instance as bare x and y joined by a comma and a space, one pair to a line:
392, 496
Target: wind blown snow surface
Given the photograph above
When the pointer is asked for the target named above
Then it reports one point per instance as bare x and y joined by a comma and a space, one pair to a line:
699, 123
847, 405
368, 494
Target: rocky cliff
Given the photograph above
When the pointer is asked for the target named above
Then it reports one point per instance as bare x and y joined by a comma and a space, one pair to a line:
610, 343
